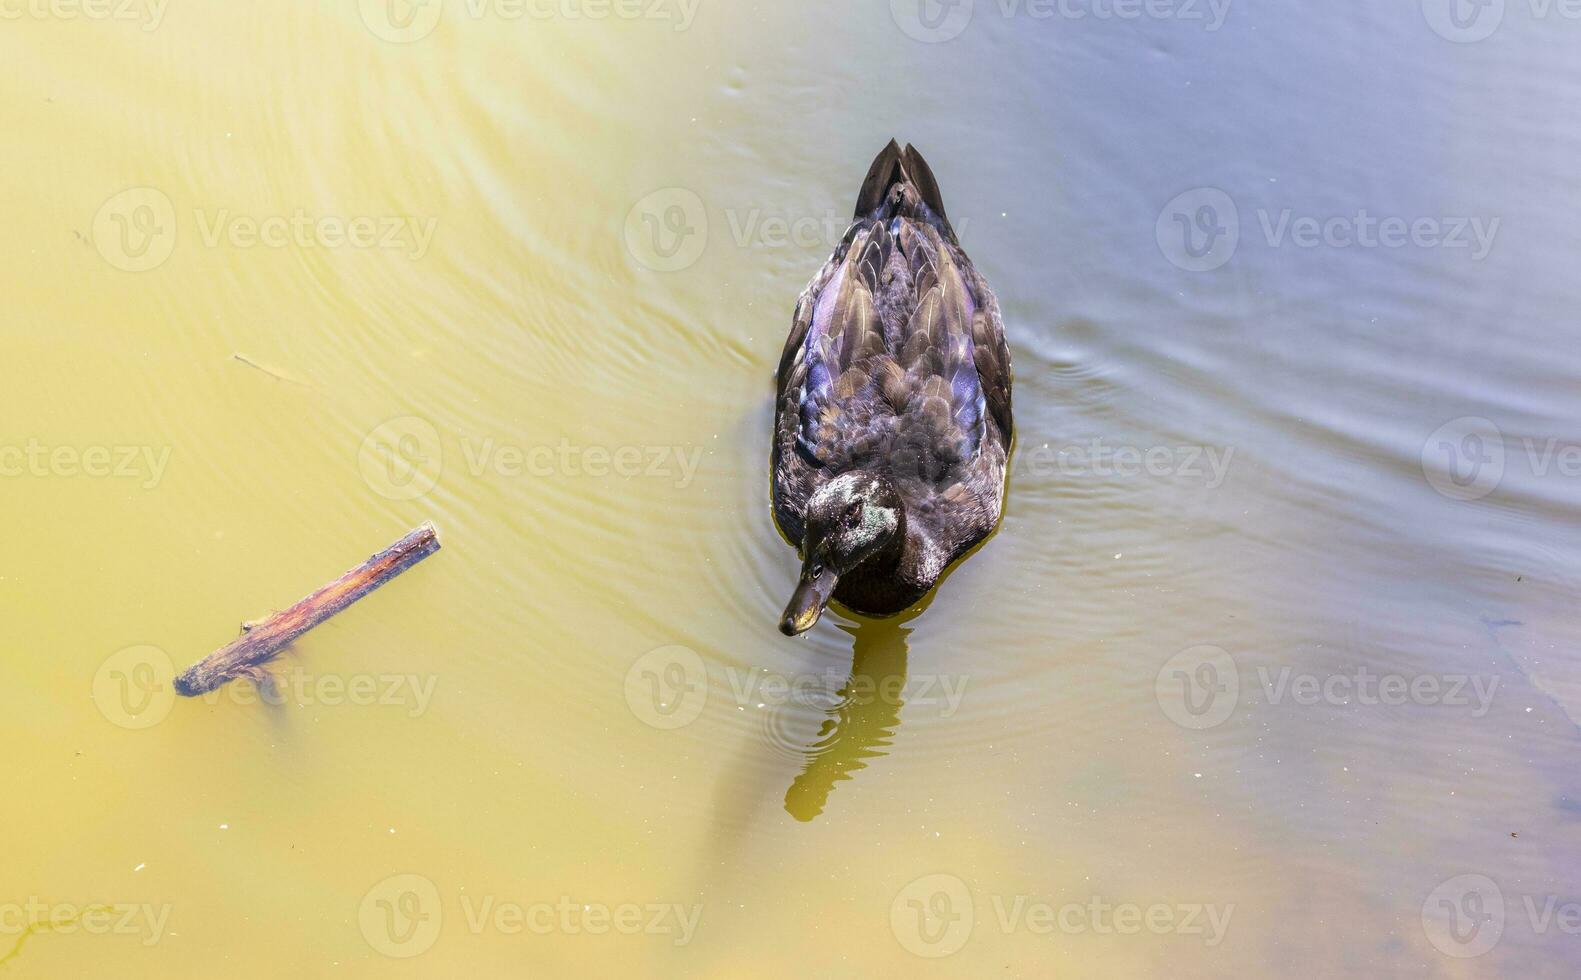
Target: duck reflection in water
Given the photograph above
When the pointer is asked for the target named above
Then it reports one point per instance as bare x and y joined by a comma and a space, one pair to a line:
861, 718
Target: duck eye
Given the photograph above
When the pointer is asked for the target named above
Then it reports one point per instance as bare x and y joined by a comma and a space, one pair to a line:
854, 511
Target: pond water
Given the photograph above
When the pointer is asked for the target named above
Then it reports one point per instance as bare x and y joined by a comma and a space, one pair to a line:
1272, 663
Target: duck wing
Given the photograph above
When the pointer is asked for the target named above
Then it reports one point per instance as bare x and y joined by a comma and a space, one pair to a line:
939, 399
991, 354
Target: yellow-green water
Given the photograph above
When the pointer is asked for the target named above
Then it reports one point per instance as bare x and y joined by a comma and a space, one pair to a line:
284, 281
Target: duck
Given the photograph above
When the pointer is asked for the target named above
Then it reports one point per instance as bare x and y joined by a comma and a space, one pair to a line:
893, 421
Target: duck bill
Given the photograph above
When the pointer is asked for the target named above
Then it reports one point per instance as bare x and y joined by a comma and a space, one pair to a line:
807, 602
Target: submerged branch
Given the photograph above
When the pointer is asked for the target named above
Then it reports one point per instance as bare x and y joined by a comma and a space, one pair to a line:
263, 641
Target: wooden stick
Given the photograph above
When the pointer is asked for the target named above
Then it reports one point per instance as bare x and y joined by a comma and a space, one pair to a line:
261, 642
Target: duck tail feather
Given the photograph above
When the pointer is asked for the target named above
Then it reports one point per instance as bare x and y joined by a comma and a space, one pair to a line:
921, 176
886, 169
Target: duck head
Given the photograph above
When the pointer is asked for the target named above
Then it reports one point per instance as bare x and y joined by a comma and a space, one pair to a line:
849, 520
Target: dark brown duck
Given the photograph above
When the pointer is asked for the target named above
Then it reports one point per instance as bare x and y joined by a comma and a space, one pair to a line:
893, 420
